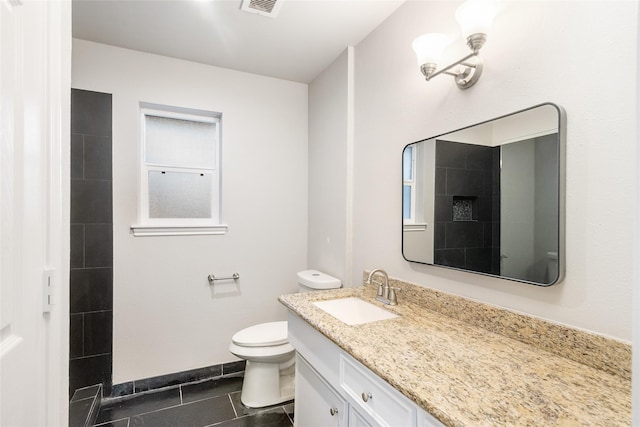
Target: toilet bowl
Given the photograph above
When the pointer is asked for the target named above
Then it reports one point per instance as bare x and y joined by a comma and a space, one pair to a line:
269, 374
270, 370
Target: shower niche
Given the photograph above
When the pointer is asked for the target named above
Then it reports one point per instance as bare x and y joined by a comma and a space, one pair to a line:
465, 208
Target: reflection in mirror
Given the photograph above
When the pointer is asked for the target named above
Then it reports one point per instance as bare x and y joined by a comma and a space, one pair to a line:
488, 198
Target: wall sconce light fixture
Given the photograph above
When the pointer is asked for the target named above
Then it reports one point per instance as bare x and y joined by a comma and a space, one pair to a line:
475, 18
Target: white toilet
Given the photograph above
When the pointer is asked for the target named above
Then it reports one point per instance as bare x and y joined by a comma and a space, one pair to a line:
269, 374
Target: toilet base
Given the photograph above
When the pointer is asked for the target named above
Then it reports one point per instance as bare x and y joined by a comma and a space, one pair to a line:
267, 384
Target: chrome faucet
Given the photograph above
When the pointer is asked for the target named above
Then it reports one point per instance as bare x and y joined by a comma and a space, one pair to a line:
386, 294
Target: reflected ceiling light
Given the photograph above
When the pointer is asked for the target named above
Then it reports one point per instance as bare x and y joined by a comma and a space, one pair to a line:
475, 18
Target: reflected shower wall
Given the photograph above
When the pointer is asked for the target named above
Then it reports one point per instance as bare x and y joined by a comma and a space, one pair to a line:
467, 207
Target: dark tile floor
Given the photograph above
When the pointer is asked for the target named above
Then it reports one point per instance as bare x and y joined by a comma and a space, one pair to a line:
214, 402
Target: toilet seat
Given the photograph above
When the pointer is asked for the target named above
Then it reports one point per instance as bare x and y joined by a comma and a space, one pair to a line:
262, 335
265, 354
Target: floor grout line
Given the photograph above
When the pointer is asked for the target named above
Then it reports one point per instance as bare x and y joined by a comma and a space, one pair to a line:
155, 410
287, 414
112, 421
207, 398
232, 405
176, 406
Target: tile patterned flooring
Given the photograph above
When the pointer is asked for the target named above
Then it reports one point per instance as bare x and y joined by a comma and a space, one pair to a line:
213, 402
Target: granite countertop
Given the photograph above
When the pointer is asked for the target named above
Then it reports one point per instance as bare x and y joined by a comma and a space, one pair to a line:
466, 375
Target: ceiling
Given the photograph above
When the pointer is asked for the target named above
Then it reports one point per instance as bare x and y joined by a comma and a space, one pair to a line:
302, 40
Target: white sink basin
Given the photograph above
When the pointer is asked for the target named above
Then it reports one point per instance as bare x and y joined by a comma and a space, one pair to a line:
354, 311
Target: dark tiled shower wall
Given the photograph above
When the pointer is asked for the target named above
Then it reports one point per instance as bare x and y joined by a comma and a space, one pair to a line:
470, 172
91, 278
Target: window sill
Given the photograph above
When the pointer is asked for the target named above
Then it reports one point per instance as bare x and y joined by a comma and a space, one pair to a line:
414, 227
178, 230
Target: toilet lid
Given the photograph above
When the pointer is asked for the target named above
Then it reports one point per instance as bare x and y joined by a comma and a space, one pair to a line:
263, 335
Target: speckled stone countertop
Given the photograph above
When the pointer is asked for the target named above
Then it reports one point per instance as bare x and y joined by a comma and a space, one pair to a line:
471, 364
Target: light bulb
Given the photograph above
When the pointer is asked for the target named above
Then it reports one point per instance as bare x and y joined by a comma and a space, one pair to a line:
476, 16
429, 47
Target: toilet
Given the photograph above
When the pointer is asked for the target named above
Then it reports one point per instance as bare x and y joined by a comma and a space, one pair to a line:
269, 374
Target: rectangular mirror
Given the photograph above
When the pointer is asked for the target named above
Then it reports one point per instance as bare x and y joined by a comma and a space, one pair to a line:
489, 198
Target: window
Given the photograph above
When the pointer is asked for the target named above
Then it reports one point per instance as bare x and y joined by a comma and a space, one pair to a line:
408, 185
179, 172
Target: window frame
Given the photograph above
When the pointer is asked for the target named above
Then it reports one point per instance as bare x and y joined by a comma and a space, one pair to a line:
411, 183
148, 226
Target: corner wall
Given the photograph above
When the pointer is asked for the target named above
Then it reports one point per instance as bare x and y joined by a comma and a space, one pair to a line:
526, 63
330, 169
166, 316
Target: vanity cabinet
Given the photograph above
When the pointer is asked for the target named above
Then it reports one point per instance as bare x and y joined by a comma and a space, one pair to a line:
334, 389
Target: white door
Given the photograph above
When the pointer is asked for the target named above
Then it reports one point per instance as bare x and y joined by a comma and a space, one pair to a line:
34, 211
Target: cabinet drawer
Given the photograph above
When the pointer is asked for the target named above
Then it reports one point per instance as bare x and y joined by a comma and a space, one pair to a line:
375, 397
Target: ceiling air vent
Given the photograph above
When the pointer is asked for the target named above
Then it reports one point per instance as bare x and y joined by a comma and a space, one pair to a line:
262, 7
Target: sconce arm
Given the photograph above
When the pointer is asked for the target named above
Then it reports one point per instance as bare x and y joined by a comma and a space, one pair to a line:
446, 69
465, 78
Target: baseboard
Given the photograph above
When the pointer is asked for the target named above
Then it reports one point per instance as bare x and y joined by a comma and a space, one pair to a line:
131, 388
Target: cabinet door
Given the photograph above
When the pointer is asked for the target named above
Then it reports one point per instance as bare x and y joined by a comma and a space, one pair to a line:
316, 403
356, 419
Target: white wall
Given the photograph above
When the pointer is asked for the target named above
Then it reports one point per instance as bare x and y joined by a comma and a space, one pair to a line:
330, 170
167, 318
635, 385
580, 55
523, 125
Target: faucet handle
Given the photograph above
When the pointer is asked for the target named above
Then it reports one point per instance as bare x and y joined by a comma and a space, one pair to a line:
381, 289
393, 298
380, 286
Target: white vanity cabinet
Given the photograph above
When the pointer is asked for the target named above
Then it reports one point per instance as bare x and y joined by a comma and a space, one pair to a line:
334, 389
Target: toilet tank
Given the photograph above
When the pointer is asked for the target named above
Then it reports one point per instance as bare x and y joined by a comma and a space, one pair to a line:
313, 280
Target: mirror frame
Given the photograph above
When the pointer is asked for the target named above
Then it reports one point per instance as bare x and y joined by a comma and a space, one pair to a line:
562, 129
